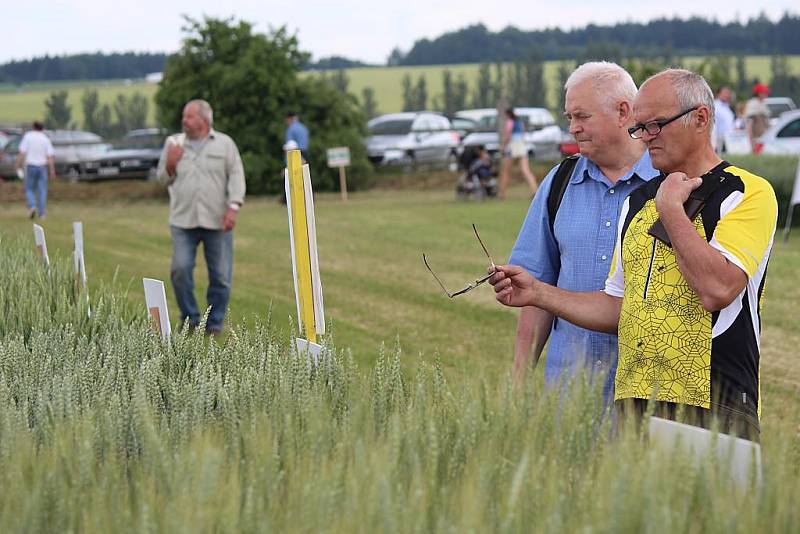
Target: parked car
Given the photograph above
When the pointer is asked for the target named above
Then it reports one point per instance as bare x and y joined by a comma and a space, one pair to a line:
783, 137
778, 105
72, 148
463, 126
542, 136
136, 156
412, 137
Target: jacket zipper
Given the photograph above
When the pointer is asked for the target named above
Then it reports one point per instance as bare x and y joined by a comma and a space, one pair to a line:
650, 270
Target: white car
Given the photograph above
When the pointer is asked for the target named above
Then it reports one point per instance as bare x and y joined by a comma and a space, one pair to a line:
542, 136
412, 137
778, 105
783, 137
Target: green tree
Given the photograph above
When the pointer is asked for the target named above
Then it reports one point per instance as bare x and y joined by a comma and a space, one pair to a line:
131, 113
460, 90
717, 71
533, 90
743, 84
96, 118
251, 80
482, 96
340, 80
565, 68
408, 94
58, 114
368, 105
421, 93
783, 82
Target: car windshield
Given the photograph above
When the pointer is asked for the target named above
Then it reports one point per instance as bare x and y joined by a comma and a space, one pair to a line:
776, 108
155, 141
391, 127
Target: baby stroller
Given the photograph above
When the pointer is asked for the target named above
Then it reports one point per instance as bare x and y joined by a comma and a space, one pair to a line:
478, 180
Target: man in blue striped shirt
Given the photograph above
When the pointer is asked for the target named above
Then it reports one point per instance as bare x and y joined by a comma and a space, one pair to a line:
576, 254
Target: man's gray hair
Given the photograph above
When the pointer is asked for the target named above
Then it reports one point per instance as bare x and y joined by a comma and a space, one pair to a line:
691, 89
203, 108
610, 80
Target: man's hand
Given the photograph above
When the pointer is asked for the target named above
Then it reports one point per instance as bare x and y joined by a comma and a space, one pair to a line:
674, 192
229, 219
174, 155
514, 286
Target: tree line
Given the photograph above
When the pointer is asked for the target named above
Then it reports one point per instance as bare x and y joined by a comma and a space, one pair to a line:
693, 36
111, 121
97, 66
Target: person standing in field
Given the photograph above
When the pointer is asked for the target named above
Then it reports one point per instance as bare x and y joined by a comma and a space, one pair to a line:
723, 118
36, 156
513, 148
203, 171
756, 113
297, 132
685, 288
569, 244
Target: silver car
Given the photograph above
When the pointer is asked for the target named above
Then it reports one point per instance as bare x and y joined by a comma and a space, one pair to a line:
412, 137
71, 147
542, 136
783, 137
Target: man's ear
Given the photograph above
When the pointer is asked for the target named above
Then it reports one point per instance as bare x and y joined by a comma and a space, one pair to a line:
702, 118
624, 112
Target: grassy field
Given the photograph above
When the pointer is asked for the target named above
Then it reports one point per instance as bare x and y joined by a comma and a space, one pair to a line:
410, 426
103, 428
21, 104
377, 290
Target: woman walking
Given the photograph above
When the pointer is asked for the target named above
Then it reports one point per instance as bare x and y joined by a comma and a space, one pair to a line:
513, 148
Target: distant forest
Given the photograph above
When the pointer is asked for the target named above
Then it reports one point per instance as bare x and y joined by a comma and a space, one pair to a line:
476, 44
97, 66
676, 37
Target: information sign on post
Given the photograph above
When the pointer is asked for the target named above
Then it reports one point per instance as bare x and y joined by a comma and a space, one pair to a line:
156, 300
41, 244
340, 157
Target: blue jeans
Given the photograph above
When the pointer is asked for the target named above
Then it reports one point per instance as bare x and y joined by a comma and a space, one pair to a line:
218, 250
36, 187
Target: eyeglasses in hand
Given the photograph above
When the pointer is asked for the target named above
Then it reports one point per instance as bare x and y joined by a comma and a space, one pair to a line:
474, 284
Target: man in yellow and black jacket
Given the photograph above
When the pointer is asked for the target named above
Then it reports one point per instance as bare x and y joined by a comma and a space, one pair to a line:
685, 288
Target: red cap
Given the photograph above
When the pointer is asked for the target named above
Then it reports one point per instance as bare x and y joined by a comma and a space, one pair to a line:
760, 89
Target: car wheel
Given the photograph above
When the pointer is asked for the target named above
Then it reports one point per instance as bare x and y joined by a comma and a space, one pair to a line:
409, 163
73, 174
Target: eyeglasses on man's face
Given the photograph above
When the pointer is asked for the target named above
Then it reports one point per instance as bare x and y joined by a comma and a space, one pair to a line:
655, 127
474, 284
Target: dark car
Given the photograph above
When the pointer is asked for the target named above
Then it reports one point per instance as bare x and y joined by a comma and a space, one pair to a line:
136, 156
71, 148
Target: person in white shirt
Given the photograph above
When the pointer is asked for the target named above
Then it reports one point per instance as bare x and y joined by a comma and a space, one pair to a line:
36, 153
723, 118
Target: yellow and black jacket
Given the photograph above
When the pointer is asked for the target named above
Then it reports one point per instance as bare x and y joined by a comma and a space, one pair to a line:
669, 346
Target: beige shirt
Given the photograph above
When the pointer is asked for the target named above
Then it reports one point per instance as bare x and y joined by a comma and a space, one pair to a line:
205, 183
757, 114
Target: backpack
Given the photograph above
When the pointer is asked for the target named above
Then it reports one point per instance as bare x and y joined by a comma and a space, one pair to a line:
559, 186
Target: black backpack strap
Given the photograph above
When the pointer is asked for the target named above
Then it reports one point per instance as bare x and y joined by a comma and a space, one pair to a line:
558, 187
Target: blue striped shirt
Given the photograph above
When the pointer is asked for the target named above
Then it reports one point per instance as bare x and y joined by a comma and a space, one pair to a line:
578, 258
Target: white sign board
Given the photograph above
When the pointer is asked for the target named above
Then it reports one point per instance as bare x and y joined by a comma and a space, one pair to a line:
156, 300
311, 229
339, 156
305, 346
77, 255
737, 142
796, 191
41, 244
744, 456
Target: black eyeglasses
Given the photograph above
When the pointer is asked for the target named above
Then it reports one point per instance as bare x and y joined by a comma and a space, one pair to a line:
655, 127
474, 284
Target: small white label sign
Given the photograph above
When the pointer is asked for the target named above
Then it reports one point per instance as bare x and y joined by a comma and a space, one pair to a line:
41, 244
339, 156
156, 301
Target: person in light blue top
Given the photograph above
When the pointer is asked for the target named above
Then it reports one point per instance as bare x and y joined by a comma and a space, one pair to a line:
296, 131
576, 254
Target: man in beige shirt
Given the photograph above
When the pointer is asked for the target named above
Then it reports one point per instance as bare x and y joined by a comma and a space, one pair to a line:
203, 172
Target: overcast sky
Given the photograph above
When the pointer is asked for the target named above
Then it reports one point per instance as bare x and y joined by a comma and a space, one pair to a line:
365, 30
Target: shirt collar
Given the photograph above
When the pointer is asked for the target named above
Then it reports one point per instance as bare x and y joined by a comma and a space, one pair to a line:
642, 169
